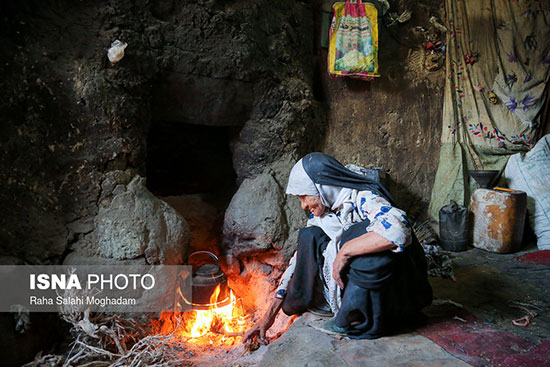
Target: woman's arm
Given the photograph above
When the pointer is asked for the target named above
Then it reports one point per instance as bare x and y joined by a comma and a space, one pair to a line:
368, 243
265, 323
261, 327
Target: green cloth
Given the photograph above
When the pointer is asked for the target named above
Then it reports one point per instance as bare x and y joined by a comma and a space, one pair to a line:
510, 43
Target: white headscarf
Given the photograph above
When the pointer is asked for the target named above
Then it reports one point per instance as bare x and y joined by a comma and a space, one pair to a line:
299, 182
336, 199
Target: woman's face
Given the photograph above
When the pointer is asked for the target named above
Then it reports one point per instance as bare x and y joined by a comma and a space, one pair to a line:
313, 204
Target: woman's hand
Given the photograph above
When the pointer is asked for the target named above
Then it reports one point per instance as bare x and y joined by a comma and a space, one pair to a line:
257, 331
340, 263
367, 243
260, 329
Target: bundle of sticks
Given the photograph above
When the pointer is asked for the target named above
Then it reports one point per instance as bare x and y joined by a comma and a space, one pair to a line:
101, 339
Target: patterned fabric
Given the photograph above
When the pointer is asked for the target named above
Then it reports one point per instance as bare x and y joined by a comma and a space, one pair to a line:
389, 222
494, 47
353, 46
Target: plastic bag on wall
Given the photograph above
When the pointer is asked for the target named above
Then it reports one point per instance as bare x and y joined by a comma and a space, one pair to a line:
353, 47
116, 52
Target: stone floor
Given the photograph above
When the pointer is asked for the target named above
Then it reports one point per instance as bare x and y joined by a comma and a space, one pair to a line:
470, 323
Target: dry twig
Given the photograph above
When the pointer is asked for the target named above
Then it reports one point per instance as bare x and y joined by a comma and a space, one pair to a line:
110, 340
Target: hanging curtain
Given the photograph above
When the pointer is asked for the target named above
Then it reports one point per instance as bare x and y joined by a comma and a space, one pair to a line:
497, 67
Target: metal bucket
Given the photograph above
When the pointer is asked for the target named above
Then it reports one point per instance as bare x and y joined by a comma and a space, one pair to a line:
498, 219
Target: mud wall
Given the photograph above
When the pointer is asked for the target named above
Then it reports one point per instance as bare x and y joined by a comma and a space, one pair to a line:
75, 130
395, 121
74, 126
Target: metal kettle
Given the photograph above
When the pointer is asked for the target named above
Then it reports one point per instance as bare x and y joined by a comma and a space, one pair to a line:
205, 279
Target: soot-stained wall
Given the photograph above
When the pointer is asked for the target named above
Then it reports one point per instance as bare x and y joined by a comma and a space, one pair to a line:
74, 127
393, 122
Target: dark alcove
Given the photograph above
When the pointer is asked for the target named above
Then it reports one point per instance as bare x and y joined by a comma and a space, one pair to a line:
190, 167
189, 162
189, 159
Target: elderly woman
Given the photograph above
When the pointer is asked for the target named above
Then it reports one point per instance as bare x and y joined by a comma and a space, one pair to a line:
357, 250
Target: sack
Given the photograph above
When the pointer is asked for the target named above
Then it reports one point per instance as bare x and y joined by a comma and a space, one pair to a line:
530, 172
353, 47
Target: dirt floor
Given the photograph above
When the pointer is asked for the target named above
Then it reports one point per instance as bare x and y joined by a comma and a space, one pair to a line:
469, 323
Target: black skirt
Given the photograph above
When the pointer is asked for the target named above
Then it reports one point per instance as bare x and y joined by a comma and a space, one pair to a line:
383, 291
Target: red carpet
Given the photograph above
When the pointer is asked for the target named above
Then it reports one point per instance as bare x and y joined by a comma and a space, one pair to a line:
538, 257
478, 343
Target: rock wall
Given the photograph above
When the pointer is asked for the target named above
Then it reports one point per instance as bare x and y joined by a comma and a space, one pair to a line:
70, 118
393, 122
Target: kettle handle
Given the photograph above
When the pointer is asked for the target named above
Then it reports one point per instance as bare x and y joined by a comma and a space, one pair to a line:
207, 253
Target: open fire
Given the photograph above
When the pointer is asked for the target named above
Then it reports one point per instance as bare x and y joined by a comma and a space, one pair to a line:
216, 326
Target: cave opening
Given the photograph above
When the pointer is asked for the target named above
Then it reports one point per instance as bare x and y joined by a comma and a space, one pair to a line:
190, 167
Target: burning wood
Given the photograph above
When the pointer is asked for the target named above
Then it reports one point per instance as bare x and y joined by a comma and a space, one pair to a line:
110, 340
216, 326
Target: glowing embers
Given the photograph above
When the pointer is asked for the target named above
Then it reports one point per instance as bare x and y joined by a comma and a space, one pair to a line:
216, 326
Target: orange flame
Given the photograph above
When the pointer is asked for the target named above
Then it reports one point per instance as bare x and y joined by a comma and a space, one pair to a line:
217, 326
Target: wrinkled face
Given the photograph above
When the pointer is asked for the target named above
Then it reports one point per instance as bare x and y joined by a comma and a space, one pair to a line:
313, 204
